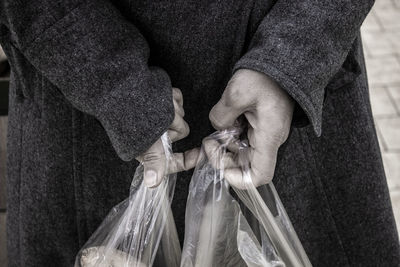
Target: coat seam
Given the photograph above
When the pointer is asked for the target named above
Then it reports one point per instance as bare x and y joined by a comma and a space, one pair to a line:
320, 187
32, 43
74, 171
77, 175
21, 130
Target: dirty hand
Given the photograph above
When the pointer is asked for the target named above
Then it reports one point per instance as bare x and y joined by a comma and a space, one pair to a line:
154, 160
268, 110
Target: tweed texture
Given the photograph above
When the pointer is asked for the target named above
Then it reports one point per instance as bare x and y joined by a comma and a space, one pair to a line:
281, 47
104, 66
91, 88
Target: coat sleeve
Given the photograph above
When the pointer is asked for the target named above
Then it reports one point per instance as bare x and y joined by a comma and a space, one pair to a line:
303, 44
99, 61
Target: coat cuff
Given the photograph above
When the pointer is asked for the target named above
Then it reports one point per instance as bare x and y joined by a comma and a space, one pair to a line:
132, 125
308, 107
99, 61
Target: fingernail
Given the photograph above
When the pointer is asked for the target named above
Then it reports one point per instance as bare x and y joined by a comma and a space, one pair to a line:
150, 178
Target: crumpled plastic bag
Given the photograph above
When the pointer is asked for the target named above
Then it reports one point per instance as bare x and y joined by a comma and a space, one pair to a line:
224, 226
140, 231
239, 227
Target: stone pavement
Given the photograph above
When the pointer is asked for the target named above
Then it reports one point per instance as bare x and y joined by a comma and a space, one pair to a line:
381, 37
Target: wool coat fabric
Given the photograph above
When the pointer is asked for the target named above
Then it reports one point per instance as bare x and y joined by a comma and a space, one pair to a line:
91, 89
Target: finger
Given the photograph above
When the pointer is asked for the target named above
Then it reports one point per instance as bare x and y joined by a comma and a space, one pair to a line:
179, 129
217, 157
229, 107
233, 147
179, 109
213, 151
153, 161
183, 161
229, 160
263, 157
177, 95
239, 178
223, 116
234, 176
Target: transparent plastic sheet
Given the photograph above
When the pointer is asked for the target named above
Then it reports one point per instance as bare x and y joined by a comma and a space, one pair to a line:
140, 231
239, 227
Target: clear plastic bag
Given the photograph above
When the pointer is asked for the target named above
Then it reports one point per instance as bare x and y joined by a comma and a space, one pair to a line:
247, 227
140, 231
223, 227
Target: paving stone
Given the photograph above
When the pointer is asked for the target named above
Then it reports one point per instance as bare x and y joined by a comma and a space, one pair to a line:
384, 4
393, 37
388, 17
379, 43
3, 252
391, 162
367, 54
3, 156
384, 70
371, 23
390, 130
395, 197
381, 102
394, 93
382, 144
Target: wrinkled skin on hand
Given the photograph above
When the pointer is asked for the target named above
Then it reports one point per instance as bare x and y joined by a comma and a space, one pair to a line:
268, 112
154, 160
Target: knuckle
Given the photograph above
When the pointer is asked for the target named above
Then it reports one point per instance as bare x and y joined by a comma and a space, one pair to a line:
180, 128
214, 121
278, 129
181, 112
151, 156
217, 124
262, 177
234, 96
177, 93
267, 179
274, 137
182, 131
186, 130
172, 135
275, 140
176, 123
280, 137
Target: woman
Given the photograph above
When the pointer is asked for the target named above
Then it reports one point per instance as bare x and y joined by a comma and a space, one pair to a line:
91, 89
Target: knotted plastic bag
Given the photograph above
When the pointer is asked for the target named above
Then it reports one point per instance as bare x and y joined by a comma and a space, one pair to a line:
140, 231
239, 227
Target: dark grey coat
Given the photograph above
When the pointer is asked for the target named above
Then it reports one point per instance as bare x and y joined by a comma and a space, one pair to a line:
91, 88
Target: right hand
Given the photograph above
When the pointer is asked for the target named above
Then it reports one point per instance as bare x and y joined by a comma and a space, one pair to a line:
154, 160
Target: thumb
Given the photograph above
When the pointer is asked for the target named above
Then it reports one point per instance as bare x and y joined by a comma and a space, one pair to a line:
153, 173
154, 164
183, 161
